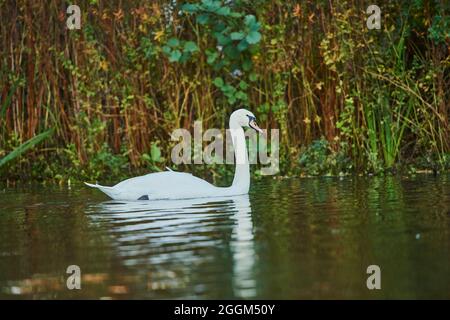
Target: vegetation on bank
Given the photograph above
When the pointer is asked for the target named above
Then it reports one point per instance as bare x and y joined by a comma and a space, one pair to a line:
100, 102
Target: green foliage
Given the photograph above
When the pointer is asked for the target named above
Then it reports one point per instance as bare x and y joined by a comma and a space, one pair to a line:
237, 35
102, 162
179, 51
115, 90
320, 159
154, 158
29, 144
233, 94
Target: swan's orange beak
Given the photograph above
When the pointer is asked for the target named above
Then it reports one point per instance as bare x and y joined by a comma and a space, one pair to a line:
254, 126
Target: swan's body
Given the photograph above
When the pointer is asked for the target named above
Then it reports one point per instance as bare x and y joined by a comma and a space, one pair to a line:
165, 185
180, 185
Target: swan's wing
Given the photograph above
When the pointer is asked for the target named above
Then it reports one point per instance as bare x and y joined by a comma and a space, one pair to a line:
165, 185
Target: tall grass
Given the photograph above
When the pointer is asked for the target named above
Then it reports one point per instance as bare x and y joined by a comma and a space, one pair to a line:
29, 144
111, 93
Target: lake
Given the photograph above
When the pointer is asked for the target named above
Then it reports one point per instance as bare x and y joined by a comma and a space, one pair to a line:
296, 238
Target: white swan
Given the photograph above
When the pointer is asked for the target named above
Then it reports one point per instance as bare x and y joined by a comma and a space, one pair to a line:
180, 185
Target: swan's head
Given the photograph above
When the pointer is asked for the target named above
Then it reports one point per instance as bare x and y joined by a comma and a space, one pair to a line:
245, 118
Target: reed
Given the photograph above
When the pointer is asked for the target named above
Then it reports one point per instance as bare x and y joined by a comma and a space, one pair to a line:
119, 86
29, 144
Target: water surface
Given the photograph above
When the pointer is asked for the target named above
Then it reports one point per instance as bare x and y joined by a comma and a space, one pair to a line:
294, 238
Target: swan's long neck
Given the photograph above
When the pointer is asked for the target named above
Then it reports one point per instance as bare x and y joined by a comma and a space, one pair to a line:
241, 181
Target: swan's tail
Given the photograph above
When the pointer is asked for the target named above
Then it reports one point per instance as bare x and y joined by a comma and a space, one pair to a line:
109, 191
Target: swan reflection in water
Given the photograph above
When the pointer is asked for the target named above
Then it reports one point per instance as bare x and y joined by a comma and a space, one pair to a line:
194, 245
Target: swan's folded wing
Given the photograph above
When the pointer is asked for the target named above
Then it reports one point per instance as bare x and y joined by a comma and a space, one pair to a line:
165, 185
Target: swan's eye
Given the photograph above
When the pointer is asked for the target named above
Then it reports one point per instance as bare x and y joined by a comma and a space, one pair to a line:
251, 118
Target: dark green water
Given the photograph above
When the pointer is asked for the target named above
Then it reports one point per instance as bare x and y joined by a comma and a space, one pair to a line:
289, 239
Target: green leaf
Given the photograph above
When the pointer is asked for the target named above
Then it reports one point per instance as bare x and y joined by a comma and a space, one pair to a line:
228, 89
241, 95
175, 56
243, 85
247, 65
236, 14
211, 5
237, 35
253, 77
222, 39
146, 157
155, 153
184, 57
203, 19
173, 42
223, 11
211, 56
25, 146
251, 23
219, 26
243, 45
219, 65
231, 51
249, 20
167, 50
253, 37
190, 8
218, 82
190, 46
255, 26
231, 99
